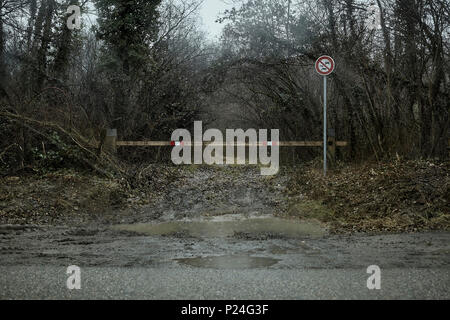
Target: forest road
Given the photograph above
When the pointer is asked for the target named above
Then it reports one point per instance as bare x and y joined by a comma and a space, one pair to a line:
219, 240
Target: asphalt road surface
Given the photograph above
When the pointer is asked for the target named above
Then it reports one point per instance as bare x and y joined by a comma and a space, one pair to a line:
120, 264
49, 282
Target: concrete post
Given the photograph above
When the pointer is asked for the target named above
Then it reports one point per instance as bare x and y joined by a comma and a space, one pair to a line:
111, 140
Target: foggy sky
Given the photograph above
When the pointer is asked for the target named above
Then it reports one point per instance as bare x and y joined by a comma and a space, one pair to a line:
209, 12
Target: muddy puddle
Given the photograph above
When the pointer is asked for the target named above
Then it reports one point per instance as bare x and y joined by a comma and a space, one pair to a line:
228, 262
230, 226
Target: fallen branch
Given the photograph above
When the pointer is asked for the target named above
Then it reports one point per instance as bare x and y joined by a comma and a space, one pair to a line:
82, 143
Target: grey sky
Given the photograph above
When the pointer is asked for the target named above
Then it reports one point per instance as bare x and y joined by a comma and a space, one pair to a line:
209, 12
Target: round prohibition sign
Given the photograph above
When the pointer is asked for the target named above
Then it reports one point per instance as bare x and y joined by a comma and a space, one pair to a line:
325, 65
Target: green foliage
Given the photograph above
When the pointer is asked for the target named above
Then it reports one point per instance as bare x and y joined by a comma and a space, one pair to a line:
57, 154
128, 29
65, 42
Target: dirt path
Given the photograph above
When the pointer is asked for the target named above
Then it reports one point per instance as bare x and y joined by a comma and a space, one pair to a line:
223, 219
207, 191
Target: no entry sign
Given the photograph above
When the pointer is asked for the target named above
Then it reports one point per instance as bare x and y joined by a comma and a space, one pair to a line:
325, 65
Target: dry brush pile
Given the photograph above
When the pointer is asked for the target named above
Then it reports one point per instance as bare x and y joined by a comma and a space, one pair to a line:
389, 196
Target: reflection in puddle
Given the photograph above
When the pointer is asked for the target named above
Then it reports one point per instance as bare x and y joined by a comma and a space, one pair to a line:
226, 227
229, 262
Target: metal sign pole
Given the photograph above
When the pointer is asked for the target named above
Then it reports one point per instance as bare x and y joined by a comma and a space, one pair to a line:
325, 66
325, 126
